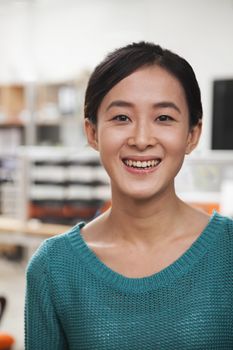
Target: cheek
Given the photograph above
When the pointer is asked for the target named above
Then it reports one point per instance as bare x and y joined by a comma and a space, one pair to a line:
175, 150
175, 142
110, 140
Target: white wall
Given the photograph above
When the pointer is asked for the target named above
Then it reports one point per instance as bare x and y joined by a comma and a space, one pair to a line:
56, 39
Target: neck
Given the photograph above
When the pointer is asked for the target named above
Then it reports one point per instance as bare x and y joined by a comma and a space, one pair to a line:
144, 222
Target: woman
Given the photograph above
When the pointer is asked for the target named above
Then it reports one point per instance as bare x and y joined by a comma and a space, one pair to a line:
151, 272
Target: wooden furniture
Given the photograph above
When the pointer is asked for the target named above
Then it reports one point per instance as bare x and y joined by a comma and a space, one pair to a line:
30, 228
28, 234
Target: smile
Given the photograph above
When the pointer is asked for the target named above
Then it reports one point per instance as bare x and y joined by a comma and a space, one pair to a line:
137, 164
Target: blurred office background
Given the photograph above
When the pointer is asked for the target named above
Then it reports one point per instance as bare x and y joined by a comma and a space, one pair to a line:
49, 178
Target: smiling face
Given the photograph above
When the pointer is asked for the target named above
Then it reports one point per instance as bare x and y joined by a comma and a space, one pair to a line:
143, 133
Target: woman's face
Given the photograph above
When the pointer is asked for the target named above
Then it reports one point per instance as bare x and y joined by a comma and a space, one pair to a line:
143, 133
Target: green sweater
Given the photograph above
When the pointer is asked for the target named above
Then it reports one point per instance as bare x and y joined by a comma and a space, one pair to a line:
75, 302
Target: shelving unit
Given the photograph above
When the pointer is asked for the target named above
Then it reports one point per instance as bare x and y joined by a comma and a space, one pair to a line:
42, 114
48, 188
63, 186
35, 115
9, 186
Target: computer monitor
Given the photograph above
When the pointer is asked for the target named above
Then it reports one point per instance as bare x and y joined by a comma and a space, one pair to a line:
222, 123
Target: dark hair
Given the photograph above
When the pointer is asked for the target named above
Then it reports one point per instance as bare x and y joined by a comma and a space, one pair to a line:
125, 60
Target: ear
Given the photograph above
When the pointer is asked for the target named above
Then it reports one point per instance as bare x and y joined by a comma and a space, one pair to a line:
91, 133
193, 137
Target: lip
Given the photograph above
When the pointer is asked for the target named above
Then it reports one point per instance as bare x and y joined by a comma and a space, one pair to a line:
141, 158
141, 171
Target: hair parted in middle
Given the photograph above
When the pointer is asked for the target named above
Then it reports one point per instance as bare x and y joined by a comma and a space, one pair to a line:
124, 61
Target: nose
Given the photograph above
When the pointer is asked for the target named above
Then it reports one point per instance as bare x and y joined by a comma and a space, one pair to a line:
142, 137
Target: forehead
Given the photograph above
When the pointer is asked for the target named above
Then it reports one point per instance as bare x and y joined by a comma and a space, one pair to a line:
147, 84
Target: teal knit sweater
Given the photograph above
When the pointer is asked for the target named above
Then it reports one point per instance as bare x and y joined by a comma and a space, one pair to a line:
75, 302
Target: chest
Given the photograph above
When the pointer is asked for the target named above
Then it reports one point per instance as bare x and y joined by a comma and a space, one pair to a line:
173, 317
180, 308
138, 263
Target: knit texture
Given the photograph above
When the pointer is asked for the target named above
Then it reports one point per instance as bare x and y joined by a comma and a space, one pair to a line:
75, 302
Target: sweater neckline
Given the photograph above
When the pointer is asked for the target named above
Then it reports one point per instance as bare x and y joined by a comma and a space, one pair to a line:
141, 284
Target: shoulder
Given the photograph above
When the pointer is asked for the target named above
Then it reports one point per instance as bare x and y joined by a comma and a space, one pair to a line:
52, 249
223, 227
223, 222
227, 222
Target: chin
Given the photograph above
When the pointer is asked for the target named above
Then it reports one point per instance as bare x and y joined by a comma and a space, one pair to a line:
140, 194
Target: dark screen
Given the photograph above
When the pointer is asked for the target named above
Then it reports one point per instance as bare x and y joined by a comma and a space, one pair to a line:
222, 126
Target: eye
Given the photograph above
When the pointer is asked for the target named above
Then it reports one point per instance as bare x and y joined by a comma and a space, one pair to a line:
164, 118
121, 118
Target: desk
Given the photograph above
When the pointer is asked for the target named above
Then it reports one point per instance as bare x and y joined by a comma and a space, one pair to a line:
29, 234
31, 227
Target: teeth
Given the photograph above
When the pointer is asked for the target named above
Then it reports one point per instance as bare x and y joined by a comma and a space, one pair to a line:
144, 164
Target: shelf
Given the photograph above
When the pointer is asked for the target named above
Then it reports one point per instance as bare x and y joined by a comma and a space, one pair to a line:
46, 113
49, 123
13, 124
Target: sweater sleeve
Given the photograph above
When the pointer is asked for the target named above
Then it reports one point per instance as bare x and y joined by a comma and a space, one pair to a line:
43, 330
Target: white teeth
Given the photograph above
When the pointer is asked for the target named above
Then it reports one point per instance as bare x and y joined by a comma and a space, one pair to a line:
144, 164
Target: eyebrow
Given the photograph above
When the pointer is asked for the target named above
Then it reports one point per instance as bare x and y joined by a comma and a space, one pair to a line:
119, 103
162, 104
167, 104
